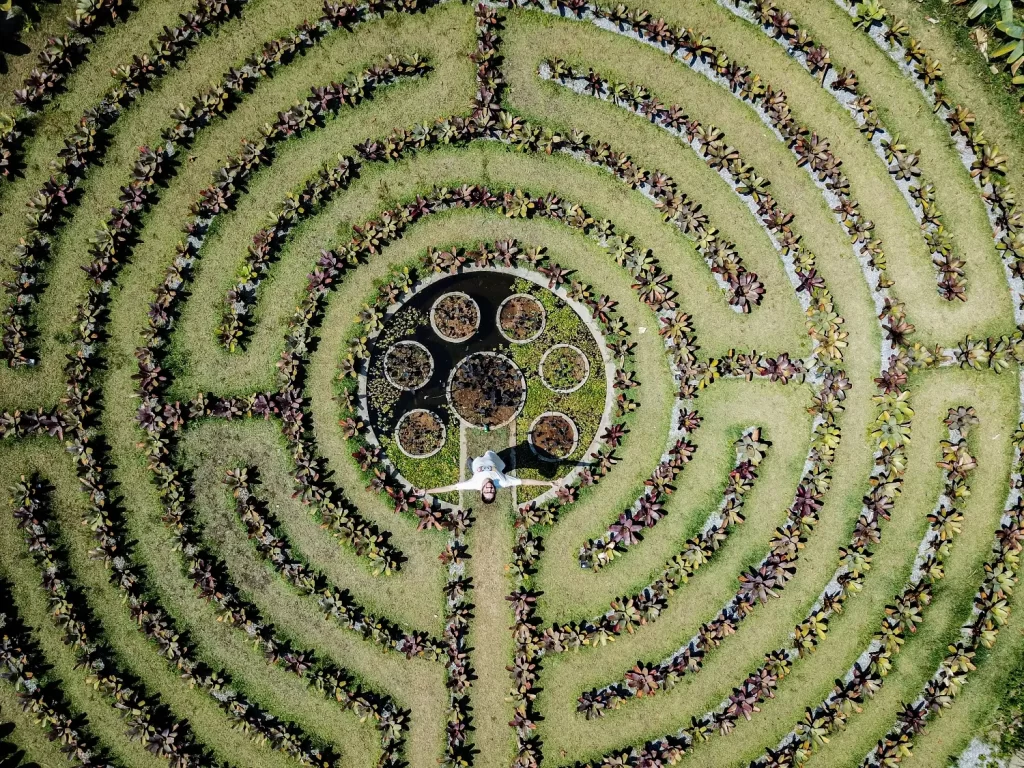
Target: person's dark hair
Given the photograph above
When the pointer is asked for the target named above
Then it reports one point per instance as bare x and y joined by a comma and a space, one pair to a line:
488, 493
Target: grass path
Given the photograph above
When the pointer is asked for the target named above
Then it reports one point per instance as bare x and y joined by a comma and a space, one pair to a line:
490, 546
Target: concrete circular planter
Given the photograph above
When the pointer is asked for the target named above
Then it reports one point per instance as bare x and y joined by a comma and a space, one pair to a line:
433, 320
522, 388
387, 373
398, 429
586, 369
543, 318
543, 456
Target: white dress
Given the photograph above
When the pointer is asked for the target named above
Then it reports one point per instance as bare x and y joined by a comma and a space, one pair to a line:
488, 467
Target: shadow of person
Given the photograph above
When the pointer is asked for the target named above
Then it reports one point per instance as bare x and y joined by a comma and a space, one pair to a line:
525, 456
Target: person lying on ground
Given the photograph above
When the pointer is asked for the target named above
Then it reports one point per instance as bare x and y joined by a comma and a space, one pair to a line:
488, 477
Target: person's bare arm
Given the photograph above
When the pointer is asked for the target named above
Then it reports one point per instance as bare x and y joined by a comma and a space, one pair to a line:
527, 481
444, 489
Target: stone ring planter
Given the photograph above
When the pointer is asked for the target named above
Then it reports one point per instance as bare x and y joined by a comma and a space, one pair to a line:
387, 373
543, 318
543, 455
433, 319
440, 444
586, 369
515, 410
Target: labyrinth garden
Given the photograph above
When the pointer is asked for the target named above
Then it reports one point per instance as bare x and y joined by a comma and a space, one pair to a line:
743, 278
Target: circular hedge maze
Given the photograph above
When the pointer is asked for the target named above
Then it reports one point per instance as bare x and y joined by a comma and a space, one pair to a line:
743, 278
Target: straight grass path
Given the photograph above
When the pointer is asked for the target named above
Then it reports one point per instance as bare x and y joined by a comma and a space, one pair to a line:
490, 547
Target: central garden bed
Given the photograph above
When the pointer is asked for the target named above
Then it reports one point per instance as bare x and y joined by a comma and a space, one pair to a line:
481, 350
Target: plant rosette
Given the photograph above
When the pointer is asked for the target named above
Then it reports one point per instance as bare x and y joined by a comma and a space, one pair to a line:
420, 426
521, 318
545, 430
408, 365
564, 368
455, 311
486, 390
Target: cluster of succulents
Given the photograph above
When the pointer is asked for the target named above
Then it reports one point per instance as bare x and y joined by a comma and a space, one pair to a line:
486, 389
409, 365
61, 55
83, 148
455, 316
31, 423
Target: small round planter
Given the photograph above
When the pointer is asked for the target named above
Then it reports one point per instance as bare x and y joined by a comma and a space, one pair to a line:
515, 408
401, 423
542, 454
573, 388
405, 387
507, 303
433, 316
